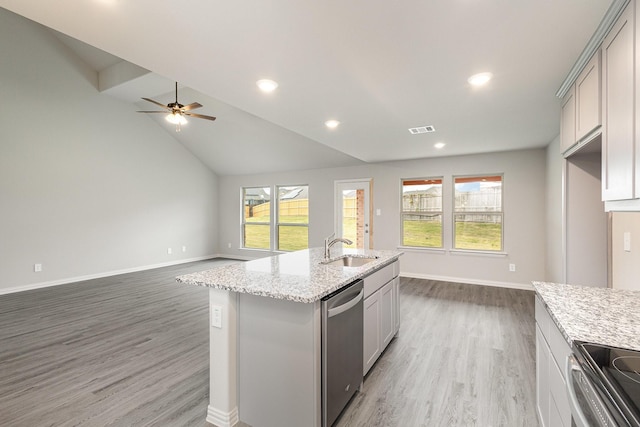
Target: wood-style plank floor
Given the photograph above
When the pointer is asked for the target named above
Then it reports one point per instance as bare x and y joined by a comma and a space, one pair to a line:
464, 356
132, 350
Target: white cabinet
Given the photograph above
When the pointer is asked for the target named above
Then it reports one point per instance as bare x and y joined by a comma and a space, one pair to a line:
387, 311
381, 313
542, 378
568, 121
581, 117
588, 103
618, 100
551, 353
372, 344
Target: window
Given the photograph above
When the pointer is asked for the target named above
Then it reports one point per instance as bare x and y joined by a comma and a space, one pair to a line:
290, 232
477, 215
256, 218
293, 218
422, 212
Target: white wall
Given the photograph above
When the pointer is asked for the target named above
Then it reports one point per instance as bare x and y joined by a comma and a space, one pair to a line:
586, 222
524, 221
87, 186
554, 258
625, 264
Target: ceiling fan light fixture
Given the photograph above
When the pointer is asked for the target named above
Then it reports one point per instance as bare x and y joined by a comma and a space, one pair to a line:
176, 119
267, 85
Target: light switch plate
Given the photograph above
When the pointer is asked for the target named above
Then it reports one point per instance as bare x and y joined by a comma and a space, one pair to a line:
627, 241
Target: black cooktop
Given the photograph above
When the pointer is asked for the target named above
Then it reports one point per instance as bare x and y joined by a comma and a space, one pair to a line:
615, 373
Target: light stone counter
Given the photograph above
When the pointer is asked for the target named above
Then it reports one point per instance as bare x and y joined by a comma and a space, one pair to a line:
295, 276
596, 315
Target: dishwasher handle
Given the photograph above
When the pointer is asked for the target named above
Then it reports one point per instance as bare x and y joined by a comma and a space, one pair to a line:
346, 306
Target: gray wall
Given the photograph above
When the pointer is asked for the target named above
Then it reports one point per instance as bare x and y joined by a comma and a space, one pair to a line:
87, 186
554, 259
524, 205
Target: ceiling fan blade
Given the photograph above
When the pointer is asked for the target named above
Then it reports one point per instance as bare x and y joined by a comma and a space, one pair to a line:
162, 112
200, 116
191, 106
156, 102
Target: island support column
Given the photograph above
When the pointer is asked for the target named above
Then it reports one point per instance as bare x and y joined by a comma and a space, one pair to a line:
223, 381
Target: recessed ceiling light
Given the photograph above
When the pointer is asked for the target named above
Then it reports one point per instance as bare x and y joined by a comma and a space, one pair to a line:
479, 79
439, 145
331, 124
267, 85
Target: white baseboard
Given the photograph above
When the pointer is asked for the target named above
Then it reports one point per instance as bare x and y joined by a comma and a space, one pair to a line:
222, 419
523, 286
64, 281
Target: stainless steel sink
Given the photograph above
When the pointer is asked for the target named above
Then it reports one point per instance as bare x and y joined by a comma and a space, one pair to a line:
351, 261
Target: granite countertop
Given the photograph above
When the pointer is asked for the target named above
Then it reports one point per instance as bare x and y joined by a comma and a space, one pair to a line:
295, 276
596, 315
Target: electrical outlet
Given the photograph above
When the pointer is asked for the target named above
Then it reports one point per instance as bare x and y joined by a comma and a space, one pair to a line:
184, 249
37, 268
229, 245
169, 251
216, 316
512, 267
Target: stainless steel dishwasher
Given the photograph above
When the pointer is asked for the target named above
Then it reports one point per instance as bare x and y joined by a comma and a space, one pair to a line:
342, 353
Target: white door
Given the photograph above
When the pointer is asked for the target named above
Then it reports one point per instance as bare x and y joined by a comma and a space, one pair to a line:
353, 211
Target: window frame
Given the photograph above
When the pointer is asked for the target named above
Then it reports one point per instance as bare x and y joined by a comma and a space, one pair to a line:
243, 221
425, 214
277, 223
274, 218
455, 212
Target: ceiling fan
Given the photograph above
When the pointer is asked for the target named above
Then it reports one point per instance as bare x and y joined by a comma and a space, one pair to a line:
177, 112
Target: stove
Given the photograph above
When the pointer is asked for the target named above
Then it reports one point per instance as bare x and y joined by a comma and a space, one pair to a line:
614, 374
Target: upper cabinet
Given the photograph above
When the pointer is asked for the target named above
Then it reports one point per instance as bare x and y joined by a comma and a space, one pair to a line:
587, 94
581, 107
603, 99
568, 121
618, 98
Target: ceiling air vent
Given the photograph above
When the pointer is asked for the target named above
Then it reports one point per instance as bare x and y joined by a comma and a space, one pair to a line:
421, 129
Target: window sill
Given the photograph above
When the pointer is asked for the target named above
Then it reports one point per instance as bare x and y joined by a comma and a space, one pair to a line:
453, 251
478, 253
417, 249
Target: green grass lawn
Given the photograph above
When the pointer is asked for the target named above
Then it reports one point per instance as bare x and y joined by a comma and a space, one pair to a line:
424, 234
291, 238
478, 235
469, 235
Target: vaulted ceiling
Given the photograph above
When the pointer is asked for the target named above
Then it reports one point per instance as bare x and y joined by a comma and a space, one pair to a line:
377, 67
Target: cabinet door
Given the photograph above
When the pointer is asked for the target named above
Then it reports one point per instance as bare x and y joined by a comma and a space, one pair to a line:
387, 301
588, 101
618, 109
396, 305
568, 121
542, 378
371, 339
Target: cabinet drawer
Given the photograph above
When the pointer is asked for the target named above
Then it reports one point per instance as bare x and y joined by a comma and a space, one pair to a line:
378, 279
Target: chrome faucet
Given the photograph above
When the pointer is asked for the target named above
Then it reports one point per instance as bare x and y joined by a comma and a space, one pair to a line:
330, 241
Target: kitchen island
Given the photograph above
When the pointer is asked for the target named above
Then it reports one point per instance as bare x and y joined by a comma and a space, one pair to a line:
265, 331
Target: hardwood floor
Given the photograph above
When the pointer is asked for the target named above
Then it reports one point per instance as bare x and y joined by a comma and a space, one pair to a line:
132, 350
465, 356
